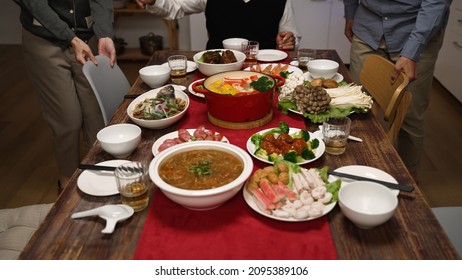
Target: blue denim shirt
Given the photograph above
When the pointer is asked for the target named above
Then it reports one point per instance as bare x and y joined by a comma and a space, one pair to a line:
406, 25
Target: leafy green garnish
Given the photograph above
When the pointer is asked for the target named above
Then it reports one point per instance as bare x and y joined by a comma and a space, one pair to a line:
262, 84
201, 168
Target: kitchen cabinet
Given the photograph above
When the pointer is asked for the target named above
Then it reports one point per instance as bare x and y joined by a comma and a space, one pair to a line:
449, 64
321, 23
135, 53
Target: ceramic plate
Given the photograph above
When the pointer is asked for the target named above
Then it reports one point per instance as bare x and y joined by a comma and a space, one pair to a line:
368, 172
337, 77
99, 183
191, 66
251, 202
290, 69
271, 55
191, 90
319, 150
172, 135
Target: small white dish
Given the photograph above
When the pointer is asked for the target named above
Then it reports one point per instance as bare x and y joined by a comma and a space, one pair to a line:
368, 172
191, 90
172, 135
271, 55
319, 150
191, 66
337, 77
289, 69
99, 183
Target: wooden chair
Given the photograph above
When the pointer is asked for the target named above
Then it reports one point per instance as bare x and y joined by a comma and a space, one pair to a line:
390, 100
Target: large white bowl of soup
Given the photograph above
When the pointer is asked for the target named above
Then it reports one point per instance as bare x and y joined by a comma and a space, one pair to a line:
201, 175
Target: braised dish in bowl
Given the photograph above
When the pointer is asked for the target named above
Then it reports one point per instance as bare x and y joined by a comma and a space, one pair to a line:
210, 62
201, 175
239, 96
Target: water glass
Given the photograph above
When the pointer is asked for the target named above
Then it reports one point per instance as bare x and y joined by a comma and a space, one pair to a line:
178, 65
335, 133
132, 183
304, 56
250, 49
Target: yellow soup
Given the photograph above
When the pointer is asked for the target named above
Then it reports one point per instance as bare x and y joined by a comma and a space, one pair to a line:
200, 169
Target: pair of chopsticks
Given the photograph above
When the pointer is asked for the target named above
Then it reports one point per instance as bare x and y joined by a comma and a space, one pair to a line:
361, 178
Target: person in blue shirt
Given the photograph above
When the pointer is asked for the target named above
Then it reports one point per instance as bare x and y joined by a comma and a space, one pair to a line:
409, 33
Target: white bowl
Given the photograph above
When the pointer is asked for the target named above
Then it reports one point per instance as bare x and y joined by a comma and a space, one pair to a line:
201, 199
162, 123
233, 43
322, 68
367, 204
119, 140
155, 75
209, 69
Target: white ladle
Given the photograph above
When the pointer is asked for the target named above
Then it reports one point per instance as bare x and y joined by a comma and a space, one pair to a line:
111, 213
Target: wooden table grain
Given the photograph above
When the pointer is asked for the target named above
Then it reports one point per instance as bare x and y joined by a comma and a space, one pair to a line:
413, 232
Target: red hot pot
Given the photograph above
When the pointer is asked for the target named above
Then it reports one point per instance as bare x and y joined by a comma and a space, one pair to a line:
239, 107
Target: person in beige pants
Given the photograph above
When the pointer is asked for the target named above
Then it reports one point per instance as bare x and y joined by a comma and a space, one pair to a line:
59, 36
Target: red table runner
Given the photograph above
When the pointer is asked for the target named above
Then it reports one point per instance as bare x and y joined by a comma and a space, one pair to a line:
233, 230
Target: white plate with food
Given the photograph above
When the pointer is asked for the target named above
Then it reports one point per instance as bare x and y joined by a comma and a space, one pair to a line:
271, 66
100, 183
368, 172
271, 55
300, 201
337, 77
190, 67
191, 90
176, 137
318, 152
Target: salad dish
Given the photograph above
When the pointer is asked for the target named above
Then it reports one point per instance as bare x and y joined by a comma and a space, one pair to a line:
184, 136
290, 193
292, 144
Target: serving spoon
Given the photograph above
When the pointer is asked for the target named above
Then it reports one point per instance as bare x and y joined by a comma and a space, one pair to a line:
112, 213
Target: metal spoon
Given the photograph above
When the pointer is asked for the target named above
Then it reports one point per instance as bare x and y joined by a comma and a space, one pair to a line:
111, 213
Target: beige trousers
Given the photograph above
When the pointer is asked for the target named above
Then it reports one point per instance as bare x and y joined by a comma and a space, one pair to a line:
411, 135
68, 103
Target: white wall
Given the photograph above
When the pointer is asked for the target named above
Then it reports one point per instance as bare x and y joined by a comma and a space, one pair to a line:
127, 26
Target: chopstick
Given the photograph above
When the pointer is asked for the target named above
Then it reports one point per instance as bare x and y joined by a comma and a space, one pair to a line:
360, 178
96, 167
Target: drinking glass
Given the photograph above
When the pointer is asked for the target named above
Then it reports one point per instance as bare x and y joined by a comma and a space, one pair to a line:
178, 65
132, 183
304, 56
335, 133
250, 49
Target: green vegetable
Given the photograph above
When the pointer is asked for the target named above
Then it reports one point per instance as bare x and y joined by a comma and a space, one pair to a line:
314, 143
291, 156
304, 134
261, 153
273, 157
201, 168
293, 168
262, 84
332, 187
307, 154
285, 105
256, 140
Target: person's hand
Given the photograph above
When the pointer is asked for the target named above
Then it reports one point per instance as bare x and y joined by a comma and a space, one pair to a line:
143, 3
349, 29
106, 47
82, 51
285, 40
405, 65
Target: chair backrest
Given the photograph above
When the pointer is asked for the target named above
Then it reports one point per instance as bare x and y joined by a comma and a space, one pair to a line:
108, 83
392, 99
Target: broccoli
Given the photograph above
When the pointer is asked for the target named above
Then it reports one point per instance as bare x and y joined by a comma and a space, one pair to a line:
304, 134
314, 143
307, 154
283, 128
291, 156
256, 139
273, 157
261, 153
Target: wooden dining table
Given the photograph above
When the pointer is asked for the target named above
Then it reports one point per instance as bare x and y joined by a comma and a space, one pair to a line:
413, 232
